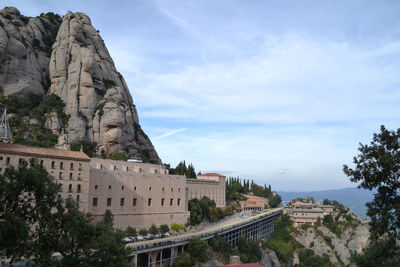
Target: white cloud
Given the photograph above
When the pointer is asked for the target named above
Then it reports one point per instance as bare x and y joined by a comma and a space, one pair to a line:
169, 133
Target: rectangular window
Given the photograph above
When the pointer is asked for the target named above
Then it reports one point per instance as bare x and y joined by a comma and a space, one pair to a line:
59, 196
41, 162
71, 166
171, 202
70, 188
78, 188
70, 175
149, 188
122, 201
1, 157
80, 167
53, 163
94, 204
52, 174
134, 188
162, 202
95, 187
149, 202
79, 176
20, 160
77, 198
179, 202
134, 202
61, 165
60, 176
109, 201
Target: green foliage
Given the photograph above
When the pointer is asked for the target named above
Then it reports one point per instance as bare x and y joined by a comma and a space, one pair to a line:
164, 228
309, 259
119, 156
130, 231
177, 227
377, 167
197, 249
100, 108
153, 229
249, 251
221, 246
331, 225
183, 261
181, 169
383, 252
33, 106
40, 224
281, 241
143, 232
88, 147
200, 210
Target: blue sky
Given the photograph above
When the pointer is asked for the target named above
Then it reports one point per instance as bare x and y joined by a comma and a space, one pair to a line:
280, 92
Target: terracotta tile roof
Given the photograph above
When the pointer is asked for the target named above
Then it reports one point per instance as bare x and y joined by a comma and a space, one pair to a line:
210, 174
42, 152
255, 199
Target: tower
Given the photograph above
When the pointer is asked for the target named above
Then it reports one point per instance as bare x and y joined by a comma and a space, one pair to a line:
5, 131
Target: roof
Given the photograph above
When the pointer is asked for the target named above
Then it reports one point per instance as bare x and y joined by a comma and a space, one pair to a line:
42, 152
210, 174
241, 265
255, 199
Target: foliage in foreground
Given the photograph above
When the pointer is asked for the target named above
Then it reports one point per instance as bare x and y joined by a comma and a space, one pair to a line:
36, 223
379, 253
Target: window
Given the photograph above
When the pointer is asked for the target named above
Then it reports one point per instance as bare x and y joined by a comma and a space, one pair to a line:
115, 167
70, 175
109, 201
60, 175
109, 187
77, 198
53, 163
155, 171
127, 169
94, 203
79, 176
1, 157
61, 165
149, 202
171, 202
52, 174
61, 189
122, 201
70, 188
41, 162
1, 169
59, 196
71, 166
172, 190
162, 202
95, 187
78, 188
134, 188
179, 202
163, 189
140, 169
150, 188
80, 167
134, 202
122, 187
20, 161
179, 189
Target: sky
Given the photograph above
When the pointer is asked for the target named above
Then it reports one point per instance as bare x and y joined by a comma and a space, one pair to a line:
279, 92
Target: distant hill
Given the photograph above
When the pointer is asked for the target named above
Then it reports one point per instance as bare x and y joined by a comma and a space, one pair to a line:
354, 198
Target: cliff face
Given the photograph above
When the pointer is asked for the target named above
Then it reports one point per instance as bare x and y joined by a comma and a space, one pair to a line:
68, 58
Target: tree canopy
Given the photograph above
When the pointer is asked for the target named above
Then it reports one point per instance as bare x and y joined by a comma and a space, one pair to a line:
378, 167
35, 223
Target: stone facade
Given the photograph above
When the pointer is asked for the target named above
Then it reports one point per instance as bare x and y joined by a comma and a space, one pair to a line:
69, 168
253, 204
211, 185
138, 199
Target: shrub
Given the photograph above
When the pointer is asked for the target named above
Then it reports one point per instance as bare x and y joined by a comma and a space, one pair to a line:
119, 156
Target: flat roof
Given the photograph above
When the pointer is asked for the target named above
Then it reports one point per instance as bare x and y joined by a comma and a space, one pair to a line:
35, 151
210, 174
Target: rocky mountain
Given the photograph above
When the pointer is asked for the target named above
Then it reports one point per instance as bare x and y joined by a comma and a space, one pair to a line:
49, 55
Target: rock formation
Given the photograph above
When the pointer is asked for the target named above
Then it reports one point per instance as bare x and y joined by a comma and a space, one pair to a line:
67, 57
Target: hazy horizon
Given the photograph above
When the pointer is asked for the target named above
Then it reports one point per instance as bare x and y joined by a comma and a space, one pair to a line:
280, 92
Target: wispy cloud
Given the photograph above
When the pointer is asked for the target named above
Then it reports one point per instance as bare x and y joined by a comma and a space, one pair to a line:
169, 133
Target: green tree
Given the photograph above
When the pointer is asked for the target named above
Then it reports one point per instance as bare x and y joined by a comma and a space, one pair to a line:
183, 261
164, 228
108, 218
119, 156
197, 249
153, 229
191, 172
378, 167
382, 252
130, 231
34, 222
143, 232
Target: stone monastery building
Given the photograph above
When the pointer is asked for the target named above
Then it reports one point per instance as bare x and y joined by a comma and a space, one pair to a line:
138, 194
